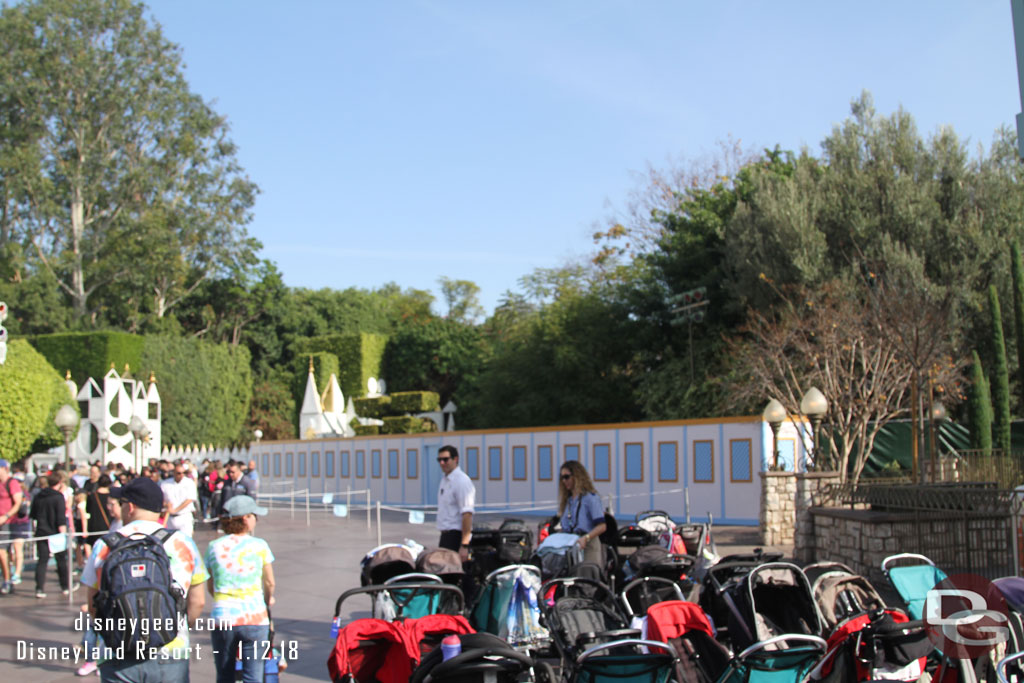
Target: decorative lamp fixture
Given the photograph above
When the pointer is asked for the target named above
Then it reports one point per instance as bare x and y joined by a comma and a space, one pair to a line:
258, 433
774, 414
815, 406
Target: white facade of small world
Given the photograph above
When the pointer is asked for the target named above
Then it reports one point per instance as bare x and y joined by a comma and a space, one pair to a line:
108, 407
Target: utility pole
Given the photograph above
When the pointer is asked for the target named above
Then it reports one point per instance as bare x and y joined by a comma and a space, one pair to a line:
1017, 10
690, 310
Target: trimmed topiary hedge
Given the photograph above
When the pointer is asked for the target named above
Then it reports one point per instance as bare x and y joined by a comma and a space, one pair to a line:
89, 354
367, 430
205, 389
405, 424
415, 401
378, 406
360, 357
31, 391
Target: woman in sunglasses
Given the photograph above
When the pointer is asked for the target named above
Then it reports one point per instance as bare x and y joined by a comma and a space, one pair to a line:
579, 506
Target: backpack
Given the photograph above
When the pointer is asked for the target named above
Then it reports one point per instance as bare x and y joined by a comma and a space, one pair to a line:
515, 542
136, 584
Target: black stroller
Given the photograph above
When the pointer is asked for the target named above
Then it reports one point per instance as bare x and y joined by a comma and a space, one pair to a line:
655, 561
731, 570
773, 599
485, 658
592, 639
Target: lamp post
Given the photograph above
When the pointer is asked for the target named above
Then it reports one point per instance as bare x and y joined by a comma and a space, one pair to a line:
774, 414
815, 406
67, 420
258, 433
938, 414
140, 431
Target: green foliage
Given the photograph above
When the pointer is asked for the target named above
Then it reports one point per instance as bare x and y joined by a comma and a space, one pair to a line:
90, 354
377, 406
441, 356
401, 424
979, 407
415, 401
124, 181
273, 409
359, 357
1000, 377
1017, 271
367, 430
205, 388
462, 299
32, 393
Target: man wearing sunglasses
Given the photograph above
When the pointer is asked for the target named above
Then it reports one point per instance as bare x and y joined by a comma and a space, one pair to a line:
455, 498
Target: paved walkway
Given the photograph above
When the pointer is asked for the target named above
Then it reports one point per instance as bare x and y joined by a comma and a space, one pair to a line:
313, 566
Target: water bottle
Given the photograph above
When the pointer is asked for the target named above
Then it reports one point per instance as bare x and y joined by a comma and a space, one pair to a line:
335, 627
450, 647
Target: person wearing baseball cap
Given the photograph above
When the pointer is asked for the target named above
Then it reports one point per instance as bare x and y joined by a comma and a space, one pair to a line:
11, 496
141, 503
242, 586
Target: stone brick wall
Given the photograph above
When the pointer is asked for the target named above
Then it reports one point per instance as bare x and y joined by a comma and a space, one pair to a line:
810, 493
778, 510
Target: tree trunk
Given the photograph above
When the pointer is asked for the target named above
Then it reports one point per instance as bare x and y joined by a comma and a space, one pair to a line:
78, 294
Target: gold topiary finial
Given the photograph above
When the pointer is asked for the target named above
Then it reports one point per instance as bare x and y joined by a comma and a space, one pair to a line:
311, 365
67, 374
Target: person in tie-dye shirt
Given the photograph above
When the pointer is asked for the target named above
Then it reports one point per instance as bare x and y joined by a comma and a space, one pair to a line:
242, 585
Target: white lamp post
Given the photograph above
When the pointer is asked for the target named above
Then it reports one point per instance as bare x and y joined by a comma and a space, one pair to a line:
67, 420
140, 431
774, 414
815, 406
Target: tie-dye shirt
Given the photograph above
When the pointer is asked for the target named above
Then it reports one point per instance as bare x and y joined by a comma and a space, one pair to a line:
236, 564
187, 570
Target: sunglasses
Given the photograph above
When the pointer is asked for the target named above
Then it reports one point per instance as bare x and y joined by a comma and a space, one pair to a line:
443, 459
566, 476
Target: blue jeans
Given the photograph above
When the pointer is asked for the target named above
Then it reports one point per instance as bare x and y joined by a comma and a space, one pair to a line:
146, 671
254, 642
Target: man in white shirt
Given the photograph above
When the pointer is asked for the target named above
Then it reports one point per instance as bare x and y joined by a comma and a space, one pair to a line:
180, 495
455, 498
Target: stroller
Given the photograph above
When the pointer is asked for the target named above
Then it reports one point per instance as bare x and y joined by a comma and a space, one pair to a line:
491, 549
639, 595
386, 562
655, 561
660, 526
440, 562
580, 613
840, 593
782, 659
378, 651
406, 597
557, 555
508, 607
1010, 667
875, 645
773, 599
714, 596
484, 657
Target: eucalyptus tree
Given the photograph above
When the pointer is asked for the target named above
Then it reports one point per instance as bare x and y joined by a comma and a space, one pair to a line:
113, 169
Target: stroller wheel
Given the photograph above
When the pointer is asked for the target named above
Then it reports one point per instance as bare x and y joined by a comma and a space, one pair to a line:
543, 672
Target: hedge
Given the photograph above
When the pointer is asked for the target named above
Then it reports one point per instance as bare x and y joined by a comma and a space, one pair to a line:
367, 430
205, 389
378, 406
32, 391
89, 354
404, 424
415, 401
360, 357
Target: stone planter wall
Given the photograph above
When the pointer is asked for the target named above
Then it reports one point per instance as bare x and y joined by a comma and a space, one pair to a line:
778, 496
810, 493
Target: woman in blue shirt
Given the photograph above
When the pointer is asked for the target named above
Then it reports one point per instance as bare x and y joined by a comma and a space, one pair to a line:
580, 509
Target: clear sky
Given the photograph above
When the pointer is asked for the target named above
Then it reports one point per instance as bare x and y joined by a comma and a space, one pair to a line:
478, 140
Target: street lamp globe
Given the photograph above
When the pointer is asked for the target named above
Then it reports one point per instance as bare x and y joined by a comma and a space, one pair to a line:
66, 418
814, 406
258, 433
774, 413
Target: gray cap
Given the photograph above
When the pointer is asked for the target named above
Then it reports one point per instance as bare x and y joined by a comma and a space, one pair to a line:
239, 506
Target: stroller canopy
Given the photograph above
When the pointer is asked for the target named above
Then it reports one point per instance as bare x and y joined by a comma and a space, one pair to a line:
442, 562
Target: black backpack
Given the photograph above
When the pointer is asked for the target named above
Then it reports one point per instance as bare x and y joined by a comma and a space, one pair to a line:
515, 542
138, 593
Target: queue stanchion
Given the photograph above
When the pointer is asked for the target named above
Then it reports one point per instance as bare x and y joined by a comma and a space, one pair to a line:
348, 504
293, 502
368, 524
307, 507
378, 525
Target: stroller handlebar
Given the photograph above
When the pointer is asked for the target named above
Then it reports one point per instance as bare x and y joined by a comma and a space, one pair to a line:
818, 643
513, 567
627, 641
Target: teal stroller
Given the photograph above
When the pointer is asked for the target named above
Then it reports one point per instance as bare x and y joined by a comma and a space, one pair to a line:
765, 661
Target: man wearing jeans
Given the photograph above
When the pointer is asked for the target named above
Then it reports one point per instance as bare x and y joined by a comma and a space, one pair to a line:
455, 498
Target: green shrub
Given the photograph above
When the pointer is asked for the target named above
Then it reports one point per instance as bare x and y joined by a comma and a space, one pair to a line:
367, 430
205, 389
378, 406
405, 424
415, 401
32, 391
359, 356
89, 354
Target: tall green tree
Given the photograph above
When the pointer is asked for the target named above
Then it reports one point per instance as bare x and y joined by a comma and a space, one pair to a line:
1017, 271
117, 172
462, 298
1000, 377
979, 407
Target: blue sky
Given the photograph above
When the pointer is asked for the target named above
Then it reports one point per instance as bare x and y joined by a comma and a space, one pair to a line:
405, 141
